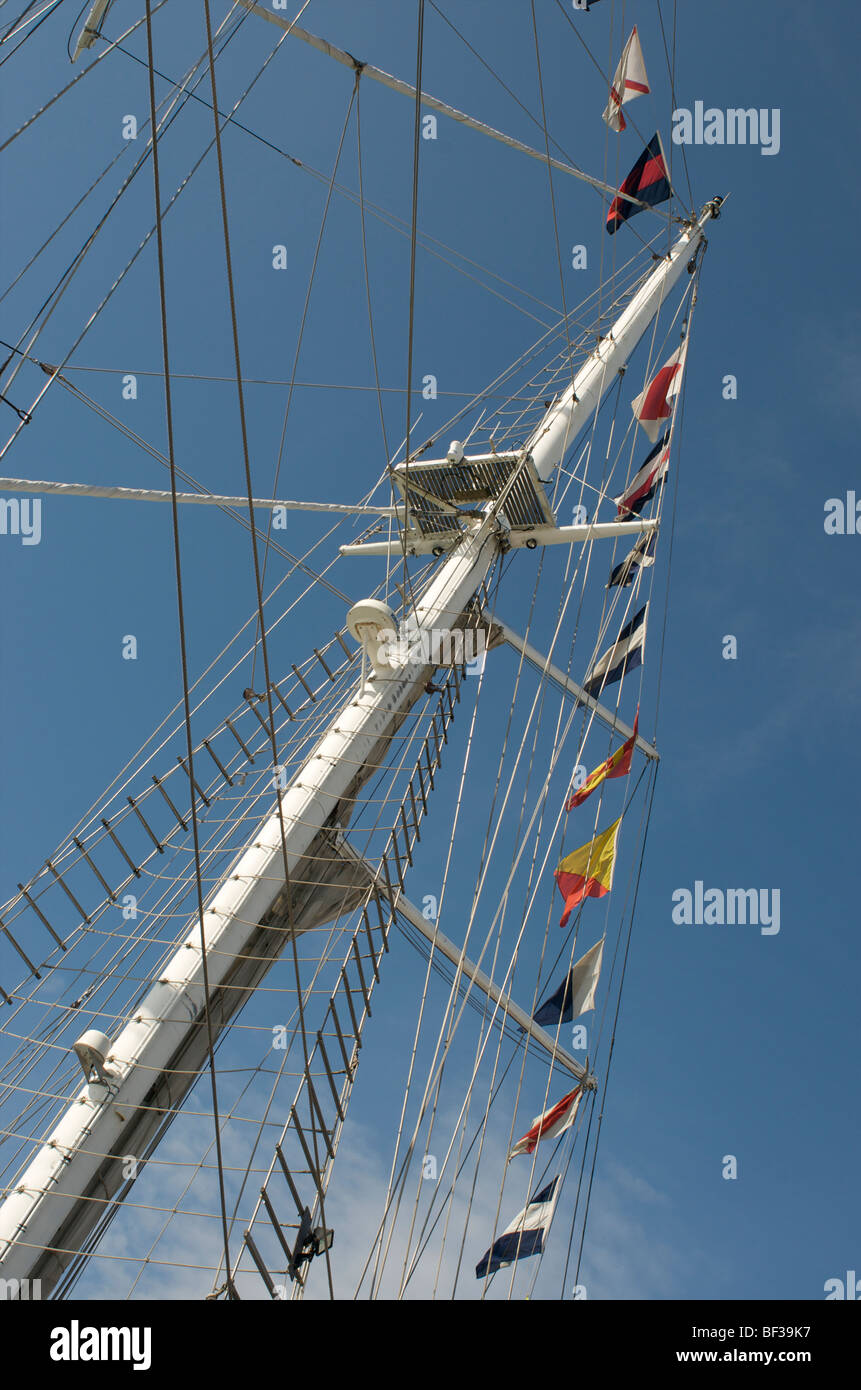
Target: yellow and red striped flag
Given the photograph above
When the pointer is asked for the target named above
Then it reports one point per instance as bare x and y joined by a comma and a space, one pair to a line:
588, 872
617, 765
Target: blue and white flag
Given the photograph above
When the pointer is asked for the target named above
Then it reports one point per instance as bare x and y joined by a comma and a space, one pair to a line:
576, 994
525, 1235
642, 554
646, 481
624, 655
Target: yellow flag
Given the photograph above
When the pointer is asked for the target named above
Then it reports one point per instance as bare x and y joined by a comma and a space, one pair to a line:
588, 871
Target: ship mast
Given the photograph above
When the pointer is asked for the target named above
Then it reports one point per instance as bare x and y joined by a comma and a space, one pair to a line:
149, 1067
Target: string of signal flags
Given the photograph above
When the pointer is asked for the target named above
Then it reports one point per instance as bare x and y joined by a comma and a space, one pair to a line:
587, 872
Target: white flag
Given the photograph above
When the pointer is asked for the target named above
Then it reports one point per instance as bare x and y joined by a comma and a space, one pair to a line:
654, 405
584, 980
629, 81
525, 1235
625, 655
552, 1123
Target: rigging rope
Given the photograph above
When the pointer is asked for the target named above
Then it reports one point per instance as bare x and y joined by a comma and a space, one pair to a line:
503, 897
301, 333
412, 281
181, 617
240, 379
81, 75
258, 584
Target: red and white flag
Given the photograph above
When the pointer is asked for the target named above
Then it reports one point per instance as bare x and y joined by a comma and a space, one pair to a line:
654, 405
629, 81
551, 1124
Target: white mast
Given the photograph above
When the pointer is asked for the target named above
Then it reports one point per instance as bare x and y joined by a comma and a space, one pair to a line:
59, 1199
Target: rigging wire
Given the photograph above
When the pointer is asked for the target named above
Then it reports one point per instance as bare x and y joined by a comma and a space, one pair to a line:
301, 333
556, 735
408, 387
482, 878
675, 502
412, 740
92, 812
671, 72
80, 76
552, 189
188, 92
447, 1025
431, 958
606, 78
104, 414
412, 281
44, 14
45, 312
12, 25
560, 614
381, 213
544, 690
258, 584
366, 271
272, 381
181, 618
645, 833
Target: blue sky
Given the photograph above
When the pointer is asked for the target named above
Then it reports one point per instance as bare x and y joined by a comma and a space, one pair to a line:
729, 1042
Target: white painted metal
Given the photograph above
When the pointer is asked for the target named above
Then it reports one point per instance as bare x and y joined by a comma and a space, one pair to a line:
516, 539
553, 673
66, 1171
564, 420
432, 103
372, 624
455, 955
90, 30
203, 499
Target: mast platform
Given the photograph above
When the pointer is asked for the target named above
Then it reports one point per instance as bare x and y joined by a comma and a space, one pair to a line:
434, 490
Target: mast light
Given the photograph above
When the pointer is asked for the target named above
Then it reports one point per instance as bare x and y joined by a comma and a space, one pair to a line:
91, 1049
372, 624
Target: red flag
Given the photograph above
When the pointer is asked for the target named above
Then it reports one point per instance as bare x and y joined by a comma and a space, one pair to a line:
617, 765
654, 405
551, 1124
630, 81
588, 872
648, 182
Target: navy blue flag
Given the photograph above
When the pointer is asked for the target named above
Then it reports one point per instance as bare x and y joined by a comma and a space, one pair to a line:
625, 654
559, 1007
646, 481
648, 181
643, 553
524, 1236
